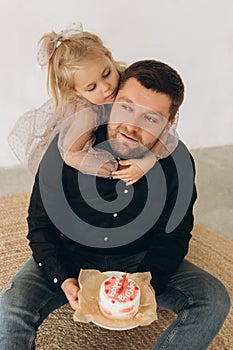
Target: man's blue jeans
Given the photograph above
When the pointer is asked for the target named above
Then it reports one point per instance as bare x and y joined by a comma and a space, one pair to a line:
200, 301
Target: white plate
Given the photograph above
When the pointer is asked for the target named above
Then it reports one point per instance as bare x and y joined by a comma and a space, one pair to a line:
118, 274
114, 328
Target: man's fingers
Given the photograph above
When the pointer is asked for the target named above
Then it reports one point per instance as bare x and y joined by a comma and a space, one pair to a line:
119, 174
73, 304
125, 162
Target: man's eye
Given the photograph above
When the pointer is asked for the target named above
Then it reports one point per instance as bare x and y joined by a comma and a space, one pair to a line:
126, 107
151, 119
92, 88
106, 74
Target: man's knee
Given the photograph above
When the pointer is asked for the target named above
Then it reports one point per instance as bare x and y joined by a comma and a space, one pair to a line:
222, 302
216, 297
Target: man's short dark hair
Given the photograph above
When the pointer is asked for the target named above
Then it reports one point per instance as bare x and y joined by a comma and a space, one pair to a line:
157, 76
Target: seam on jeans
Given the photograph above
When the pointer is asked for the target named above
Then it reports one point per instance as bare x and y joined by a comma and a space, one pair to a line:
183, 317
170, 337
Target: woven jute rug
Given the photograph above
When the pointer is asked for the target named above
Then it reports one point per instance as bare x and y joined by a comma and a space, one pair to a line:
208, 250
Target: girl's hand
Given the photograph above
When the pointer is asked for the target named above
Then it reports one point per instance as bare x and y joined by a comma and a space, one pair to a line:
95, 162
106, 169
129, 172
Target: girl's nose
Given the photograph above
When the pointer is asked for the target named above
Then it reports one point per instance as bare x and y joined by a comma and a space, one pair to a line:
105, 87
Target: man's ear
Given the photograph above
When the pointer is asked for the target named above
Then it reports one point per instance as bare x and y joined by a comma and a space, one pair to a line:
169, 124
171, 121
174, 118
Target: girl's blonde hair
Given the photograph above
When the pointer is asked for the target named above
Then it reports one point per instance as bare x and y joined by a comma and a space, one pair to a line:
67, 57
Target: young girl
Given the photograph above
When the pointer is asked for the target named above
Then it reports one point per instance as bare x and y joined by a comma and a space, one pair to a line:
81, 73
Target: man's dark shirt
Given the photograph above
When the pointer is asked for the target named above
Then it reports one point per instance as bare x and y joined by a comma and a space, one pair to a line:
52, 224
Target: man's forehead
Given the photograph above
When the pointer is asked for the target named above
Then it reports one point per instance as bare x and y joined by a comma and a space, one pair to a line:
132, 91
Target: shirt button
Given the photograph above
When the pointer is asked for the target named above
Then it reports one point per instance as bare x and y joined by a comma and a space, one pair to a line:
114, 215
106, 238
40, 264
126, 191
55, 280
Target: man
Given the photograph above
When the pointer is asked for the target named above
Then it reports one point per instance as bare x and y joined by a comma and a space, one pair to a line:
79, 221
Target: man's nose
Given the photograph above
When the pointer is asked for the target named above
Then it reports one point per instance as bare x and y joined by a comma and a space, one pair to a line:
132, 124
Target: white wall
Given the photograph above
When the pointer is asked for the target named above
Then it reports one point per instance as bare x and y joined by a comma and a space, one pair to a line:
195, 37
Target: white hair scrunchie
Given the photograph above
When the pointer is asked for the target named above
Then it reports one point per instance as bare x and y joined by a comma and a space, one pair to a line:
47, 46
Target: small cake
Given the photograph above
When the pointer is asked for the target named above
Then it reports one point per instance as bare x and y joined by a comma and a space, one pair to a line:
119, 298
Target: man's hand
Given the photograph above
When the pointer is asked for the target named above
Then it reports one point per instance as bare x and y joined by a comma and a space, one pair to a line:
70, 288
152, 290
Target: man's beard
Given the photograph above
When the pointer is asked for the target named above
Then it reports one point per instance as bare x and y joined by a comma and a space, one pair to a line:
128, 149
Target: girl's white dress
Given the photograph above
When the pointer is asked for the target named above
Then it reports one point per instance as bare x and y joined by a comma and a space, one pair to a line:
34, 130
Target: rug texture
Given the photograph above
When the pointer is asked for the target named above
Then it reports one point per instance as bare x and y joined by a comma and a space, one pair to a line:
208, 250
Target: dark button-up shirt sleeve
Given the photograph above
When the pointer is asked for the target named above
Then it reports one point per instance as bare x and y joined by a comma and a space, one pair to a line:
166, 252
167, 249
45, 241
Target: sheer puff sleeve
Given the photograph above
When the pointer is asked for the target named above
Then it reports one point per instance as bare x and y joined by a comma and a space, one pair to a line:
34, 131
76, 143
30, 136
